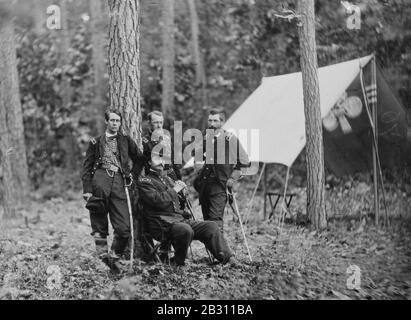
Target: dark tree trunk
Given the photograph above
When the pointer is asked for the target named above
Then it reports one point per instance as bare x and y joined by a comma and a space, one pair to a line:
201, 80
124, 64
67, 142
168, 54
98, 31
198, 61
124, 71
13, 158
312, 111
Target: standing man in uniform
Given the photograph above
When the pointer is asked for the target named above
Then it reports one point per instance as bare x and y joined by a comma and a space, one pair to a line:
154, 136
106, 170
224, 157
168, 222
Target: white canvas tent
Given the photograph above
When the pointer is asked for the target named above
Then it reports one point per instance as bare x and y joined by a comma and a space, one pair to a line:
276, 108
350, 92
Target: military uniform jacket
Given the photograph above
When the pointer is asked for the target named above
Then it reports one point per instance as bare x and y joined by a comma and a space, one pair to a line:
221, 172
159, 200
148, 145
128, 150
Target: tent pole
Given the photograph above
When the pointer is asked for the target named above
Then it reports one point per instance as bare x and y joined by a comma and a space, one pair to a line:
250, 203
374, 75
375, 147
374, 138
284, 207
265, 193
376, 199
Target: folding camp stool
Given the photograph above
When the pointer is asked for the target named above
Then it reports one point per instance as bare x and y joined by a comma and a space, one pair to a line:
288, 199
154, 249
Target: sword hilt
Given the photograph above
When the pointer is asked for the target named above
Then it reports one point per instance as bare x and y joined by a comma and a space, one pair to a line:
125, 181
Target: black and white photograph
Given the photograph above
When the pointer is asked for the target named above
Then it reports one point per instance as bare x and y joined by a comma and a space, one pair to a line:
205, 155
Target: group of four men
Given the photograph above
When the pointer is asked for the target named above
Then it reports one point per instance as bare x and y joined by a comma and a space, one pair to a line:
113, 159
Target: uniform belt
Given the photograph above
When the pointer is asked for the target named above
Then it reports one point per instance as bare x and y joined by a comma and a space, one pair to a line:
111, 168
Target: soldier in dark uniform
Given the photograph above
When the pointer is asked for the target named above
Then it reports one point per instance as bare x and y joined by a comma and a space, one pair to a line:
224, 157
105, 171
153, 137
156, 136
166, 220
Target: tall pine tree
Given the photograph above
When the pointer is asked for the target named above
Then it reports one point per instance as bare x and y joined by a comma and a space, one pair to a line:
313, 126
15, 186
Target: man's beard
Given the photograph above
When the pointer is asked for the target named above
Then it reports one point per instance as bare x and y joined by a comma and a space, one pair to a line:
160, 171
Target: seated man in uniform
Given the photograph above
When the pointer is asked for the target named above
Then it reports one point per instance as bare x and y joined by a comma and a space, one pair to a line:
166, 220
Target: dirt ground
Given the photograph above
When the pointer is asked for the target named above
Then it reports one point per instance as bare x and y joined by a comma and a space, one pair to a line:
49, 254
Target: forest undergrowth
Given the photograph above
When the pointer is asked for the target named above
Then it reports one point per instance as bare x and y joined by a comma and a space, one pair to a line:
49, 254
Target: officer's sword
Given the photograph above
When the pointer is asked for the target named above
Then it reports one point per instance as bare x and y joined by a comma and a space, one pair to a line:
131, 221
237, 213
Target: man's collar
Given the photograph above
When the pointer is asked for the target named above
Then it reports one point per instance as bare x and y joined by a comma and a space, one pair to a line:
214, 134
156, 173
111, 135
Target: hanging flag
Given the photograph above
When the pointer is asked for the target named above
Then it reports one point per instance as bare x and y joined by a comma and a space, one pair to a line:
371, 92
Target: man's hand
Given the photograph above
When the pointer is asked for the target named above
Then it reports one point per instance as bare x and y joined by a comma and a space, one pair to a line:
230, 183
185, 191
87, 196
186, 214
180, 185
198, 165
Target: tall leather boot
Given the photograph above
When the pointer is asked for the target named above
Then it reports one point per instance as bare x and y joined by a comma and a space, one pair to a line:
101, 245
119, 245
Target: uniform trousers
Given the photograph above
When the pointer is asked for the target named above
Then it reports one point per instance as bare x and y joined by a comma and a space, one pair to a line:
182, 233
213, 200
110, 186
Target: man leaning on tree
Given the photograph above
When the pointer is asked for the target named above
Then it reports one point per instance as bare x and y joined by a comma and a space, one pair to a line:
106, 170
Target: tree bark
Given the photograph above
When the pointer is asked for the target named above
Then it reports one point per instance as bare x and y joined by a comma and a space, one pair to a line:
201, 80
207, 23
198, 61
313, 125
68, 142
124, 72
168, 56
98, 32
12, 145
124, 64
